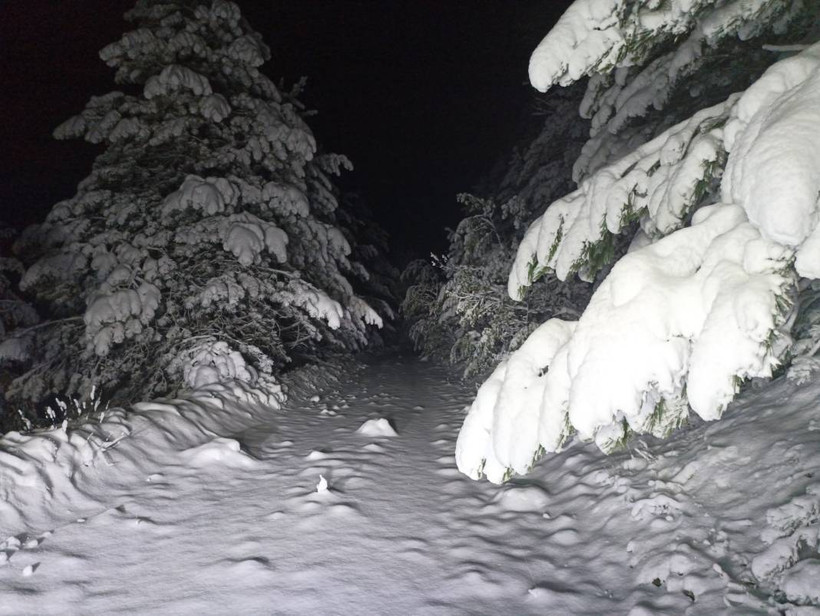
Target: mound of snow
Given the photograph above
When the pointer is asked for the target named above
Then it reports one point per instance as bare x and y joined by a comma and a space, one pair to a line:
801, 583
221, 451
522, 499
46, 473
376, 427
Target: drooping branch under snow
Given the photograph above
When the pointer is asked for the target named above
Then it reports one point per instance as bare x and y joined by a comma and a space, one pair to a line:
680, 322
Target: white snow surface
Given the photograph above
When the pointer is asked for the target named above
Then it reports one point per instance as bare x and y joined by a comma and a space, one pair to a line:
210, 505
774, 162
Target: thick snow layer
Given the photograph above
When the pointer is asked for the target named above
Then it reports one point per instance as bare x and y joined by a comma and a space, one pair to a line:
584, 36
225, 452
112, 317
593, 36
801, 585
317, 304
362, 311
681, 321
774, 164
218, 507
678, 320
638, 54
505, 415
175, 77
246, 236
633, 96
208, 195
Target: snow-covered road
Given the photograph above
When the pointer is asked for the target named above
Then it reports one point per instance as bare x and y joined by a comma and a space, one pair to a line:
209, 527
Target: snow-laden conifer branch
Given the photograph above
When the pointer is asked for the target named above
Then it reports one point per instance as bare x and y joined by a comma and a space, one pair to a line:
639, 54
659, 184
727, 202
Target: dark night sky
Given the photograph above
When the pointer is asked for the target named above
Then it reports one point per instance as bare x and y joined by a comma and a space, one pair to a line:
422, 95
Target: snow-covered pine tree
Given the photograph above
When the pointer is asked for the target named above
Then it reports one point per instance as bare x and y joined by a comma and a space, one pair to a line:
204, 245
721, 206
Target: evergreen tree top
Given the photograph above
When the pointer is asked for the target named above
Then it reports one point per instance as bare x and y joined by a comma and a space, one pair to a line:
192, 44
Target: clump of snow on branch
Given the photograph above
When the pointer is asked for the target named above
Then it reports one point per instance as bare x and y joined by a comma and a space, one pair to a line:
173, 78
317, 304
593, 37
506, 408
207, 195
666, 327
659, 181
703, 300
285, 199
362, 310
638, 54
247, 236
112, 317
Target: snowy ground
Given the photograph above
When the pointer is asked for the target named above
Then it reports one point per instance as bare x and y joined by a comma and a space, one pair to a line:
207, 508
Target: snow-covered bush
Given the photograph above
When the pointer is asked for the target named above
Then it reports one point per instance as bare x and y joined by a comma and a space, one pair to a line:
457, 306
432, 335
204, 244
726, 205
